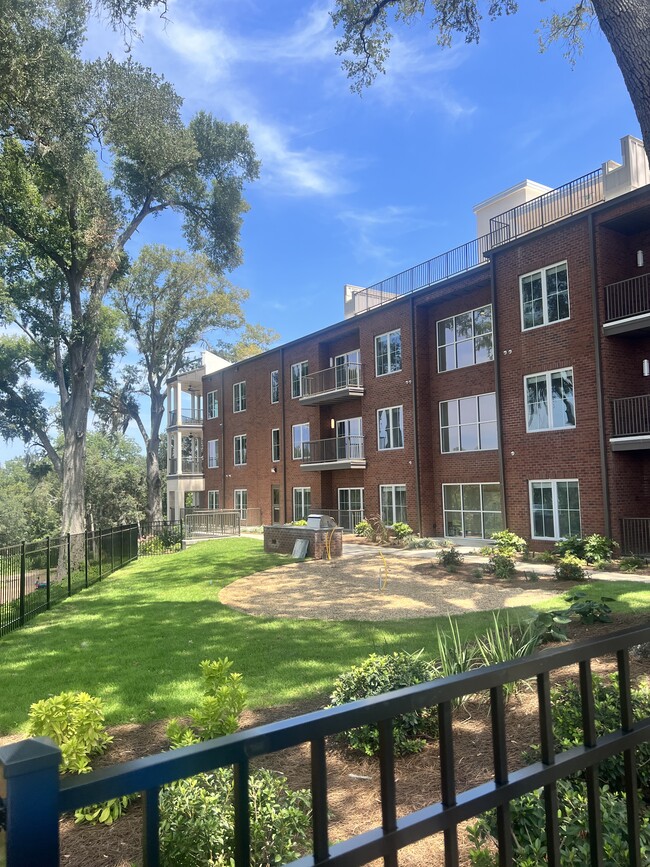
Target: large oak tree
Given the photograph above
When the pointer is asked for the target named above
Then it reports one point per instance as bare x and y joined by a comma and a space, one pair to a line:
89, 150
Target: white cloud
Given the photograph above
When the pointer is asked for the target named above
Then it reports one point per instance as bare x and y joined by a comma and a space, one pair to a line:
375, 231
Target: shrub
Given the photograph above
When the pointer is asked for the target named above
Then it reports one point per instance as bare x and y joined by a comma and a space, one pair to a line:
424, 542
546, 557
574, 545
531, 576
302, 522
504, 641
550, 626
599, 548
401, 531
501, 565
631, 564
197, 820
379, 674
570, 568
476, 575
589, 610
450, 558
363, 528
454, 654
529, 830
505, 539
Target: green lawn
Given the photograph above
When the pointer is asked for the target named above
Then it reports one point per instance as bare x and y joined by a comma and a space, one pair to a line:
137, 638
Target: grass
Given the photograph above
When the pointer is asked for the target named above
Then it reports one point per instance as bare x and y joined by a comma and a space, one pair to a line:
137, 638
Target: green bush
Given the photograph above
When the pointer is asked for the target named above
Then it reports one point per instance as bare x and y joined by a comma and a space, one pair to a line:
509, 541
380, 674
631, 564
570, 568
450, 558
501, 565
504, 641
529, 830
300, 523
589, 610
599, 548
197, 820
363, 528
423, 542
546, 557
574, 545
401, 531
455, 655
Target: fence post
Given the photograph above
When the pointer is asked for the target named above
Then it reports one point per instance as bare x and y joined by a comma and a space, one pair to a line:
121, 546
100, 555
21, 614
181, 525
112, 546
47, 573
29, 788
68, 546
86, 557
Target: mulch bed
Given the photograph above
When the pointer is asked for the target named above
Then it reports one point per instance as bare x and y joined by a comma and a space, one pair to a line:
353, 782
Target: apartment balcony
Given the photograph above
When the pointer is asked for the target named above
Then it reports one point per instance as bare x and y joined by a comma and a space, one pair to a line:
339, 453
631, 423
188, 467
628, 306
332, 385
187, 418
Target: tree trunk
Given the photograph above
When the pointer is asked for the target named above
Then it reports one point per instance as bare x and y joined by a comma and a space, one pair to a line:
154, 498
626, 25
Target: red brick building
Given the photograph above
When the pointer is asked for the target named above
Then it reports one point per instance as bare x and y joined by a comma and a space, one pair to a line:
503, 383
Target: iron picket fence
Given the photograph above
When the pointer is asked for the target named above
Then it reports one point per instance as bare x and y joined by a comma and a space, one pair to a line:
34, 796
34, 576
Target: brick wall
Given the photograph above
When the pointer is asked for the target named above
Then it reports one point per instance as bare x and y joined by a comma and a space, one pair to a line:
281, 540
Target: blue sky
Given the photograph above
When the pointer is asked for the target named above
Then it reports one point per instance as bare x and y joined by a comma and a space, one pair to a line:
354, 189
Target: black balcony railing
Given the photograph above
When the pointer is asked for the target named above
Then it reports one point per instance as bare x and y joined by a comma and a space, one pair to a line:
34, 795
186, 417
339, 378
212, 522
628, 298
635, 536
348, 448
631, 416
564, 201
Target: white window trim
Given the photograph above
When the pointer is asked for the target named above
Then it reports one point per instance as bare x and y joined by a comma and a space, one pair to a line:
293, 500
276, 460
302, 376
390, 448
548, 374
234, 450
454, 316
543, 271
387, 335
462, 511
459, 425
556, 518
215, 402
212, 466
217, 498
239, 508
302, 442
238, 386
277, 372
392, 487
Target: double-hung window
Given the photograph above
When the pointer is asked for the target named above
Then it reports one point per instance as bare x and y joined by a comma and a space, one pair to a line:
468, 424
388, 352
300, 440
298, 372
275, 386
390, 428
213, 499
275, 444
213, 454
392, 499
301, 503
550, 400
239, 397
465, 339
544, 296
554, 509
239, 449
472, 510
213, 404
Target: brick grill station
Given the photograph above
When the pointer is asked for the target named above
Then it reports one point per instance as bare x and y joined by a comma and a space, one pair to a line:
281, 539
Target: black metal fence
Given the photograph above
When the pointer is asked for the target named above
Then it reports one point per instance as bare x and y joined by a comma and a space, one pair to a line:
635, 536
34, 795
34, 576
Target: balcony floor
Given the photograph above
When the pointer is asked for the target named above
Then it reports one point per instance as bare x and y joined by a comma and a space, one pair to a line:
640, 323
343, 464
335, 395
630, 444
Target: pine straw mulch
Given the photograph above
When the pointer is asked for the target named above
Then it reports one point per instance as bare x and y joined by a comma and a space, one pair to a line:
353, 783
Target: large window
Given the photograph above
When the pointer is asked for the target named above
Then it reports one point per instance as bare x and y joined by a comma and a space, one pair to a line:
555, 509
465, 339
239, 397
472, 510
275, 444
392, 500
348, 369
300, 441
298, 372
213, 499
213, 454
468, 424
275, 386
390, 428
213, 404
241, 502
544, 296
239, 450
350, 507
550, 400
388, 352
301, 503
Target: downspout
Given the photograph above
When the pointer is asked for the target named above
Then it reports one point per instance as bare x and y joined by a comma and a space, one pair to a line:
416, 450
223, 441
497, 389
600, 404
282, 438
